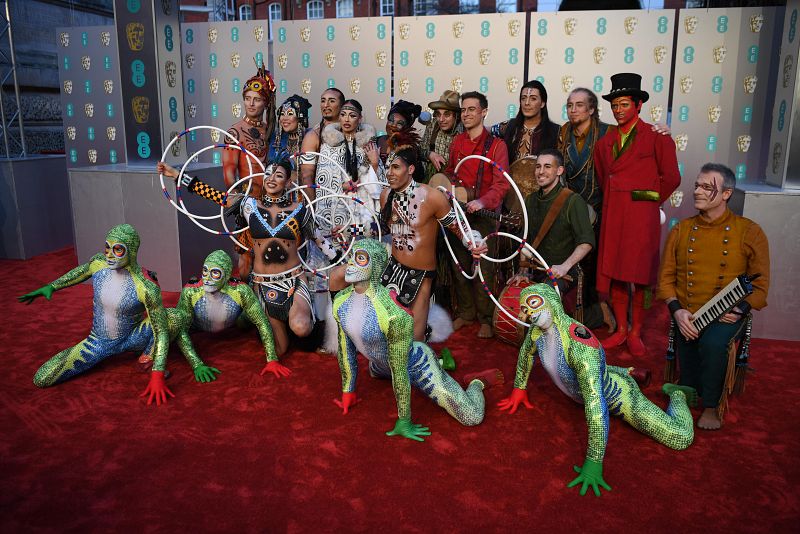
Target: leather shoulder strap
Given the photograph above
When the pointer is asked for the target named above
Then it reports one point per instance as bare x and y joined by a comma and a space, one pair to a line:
552, 213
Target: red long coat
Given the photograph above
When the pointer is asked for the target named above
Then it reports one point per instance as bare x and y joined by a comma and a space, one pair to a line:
630, 230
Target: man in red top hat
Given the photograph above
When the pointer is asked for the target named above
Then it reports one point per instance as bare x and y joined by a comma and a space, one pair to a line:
637, 170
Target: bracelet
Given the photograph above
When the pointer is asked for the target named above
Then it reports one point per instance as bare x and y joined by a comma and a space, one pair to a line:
674, 306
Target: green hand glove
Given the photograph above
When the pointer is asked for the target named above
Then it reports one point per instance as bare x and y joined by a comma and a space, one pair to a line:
44, 291
447, 360
407, 429
204, 373
591, 474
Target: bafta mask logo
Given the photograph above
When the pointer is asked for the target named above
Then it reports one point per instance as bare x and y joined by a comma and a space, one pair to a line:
405, 31
105, 38
430, 57
484, 54
750, 83
788, 63
171, 70
214, 136
599, 54
134, 31
660, 54
714, 113
63, 38
236, 60
213, 85
630, 24
380, 58
212, 35
189, 61
330, 59
514, 27
191, 110
682, 142
258, 33
380, 112
690, 24
686, 83
92, 153
777, 152
166, 6
457, 84
355, 85
111, 133
305, 34
236, 110
108, 86
355, 32
458, 29
86, 62
141, 109
656, 113
567, 83
756, 22
88, 110
68, 86
539, 55
404, 85
283, 61
511, 84
570, 26
676, 199
176, 146
71, 133
743, 143
719, 54
305, 86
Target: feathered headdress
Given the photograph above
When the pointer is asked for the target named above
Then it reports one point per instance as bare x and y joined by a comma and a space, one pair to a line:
262, 83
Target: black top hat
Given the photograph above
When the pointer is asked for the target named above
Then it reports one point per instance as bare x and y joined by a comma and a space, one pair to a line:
626, 84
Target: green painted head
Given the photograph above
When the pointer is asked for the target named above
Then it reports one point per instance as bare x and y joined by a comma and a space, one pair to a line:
122, 245
541, 305
367, 262
217, 269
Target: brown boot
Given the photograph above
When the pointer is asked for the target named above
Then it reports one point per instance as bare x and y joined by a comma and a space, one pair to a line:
619, 301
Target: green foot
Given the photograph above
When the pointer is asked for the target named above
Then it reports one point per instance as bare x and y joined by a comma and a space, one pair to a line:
447, 360
690, 392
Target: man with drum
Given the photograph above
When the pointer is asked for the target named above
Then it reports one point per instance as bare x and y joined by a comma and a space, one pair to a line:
701, 256
253, 132
559, 229
486, 187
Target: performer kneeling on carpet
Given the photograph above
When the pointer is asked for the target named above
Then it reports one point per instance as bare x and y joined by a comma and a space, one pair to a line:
701, 256
279, 226
213, 304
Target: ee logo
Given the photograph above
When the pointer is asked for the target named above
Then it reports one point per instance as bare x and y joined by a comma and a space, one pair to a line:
722, 24
306, 60
458, 57
430, 30
190, 86
331, 33
134, 6
73, 155
90, 133
793, 26
66, 63
598, 83
193, 135
382, 85
711, 143
628, 54
215, 159
84, 38
87, 87
781, 115
542, 27
484, 84
404, 58
752, 54
354, 59
212, 60
70, 110
511, 111
485, 28
112, 156
569, 55
741, 171
672, 222
168, 43
106, 63
109, 110
513, 56
235, 34
137, 73
283, 87
173, 109
658, 84
747, 115
235, 85
189, 36
662, 24
680, 169
428, 85
688, 54
381, 29
282, 35
601, 26
331, 82
564, 112
716, 84
214, 110
683, 113
259, 58
143, 145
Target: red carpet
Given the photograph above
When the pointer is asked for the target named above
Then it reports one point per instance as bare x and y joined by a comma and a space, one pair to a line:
254, 454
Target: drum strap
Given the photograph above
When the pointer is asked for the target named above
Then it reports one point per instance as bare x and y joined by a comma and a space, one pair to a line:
487, 145
552, 213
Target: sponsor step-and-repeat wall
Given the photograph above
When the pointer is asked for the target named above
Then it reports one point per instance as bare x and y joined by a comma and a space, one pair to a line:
462, 53
91, 101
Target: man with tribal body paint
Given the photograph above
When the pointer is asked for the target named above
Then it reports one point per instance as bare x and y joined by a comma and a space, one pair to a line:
214, 304
279, 225
123, 291
413, 212
372, 323
576, 363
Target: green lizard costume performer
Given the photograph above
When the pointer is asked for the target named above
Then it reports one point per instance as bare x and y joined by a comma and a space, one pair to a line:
372, 322
216, 303
123, 291
576, 362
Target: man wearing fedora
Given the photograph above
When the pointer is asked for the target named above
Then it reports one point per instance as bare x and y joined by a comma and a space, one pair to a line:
440, 132
637, 170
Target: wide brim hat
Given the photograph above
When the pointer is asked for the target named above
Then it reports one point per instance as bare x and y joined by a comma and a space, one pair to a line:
449, 100
626, 84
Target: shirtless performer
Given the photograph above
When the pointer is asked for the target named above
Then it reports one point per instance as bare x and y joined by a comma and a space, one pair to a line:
330, 103
254, 133
413, 212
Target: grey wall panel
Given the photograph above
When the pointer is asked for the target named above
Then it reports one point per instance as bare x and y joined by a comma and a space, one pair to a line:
96, 207
10, 242
778, 214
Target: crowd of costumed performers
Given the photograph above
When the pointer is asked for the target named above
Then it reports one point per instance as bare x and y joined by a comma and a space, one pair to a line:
379, 245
